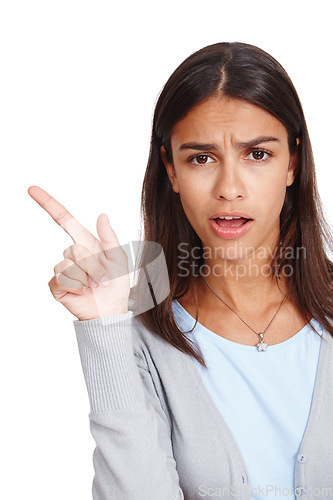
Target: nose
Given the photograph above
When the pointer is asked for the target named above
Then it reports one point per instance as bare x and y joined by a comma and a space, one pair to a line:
228, 185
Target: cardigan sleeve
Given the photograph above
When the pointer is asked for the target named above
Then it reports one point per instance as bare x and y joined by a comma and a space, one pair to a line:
133, 458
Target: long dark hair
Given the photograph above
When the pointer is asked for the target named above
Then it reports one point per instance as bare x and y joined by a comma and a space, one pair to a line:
247, 72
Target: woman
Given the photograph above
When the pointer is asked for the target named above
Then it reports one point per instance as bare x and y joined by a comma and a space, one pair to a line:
217, 382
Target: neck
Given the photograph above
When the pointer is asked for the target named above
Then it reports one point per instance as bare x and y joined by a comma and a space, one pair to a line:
245, 292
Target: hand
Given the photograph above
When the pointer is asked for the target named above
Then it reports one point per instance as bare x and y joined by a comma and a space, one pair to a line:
93, 279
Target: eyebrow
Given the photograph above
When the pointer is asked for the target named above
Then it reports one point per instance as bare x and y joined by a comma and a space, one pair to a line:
239, 145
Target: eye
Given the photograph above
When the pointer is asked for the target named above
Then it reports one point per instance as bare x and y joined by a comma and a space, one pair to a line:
200, 159
259, 155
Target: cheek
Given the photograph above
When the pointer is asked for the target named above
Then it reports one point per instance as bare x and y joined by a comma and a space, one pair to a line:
189, 190
190, 194
271, 195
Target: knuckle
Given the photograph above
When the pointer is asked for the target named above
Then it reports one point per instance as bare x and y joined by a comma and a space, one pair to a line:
62, 215
77, 251
52, 285
78, 247
57, 268
60, 281
67, 251
61, 266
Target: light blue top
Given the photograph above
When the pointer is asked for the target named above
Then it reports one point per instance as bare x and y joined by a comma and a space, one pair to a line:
264, 397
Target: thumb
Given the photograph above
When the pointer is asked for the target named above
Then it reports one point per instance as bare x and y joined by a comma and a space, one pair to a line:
105, 232
111, 247
108, 237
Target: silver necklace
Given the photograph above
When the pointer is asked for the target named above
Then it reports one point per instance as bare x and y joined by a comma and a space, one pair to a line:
261, 346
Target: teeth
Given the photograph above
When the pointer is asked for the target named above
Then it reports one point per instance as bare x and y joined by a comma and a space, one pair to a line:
229, 218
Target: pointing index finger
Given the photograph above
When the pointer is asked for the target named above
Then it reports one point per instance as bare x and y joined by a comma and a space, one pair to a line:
63, 218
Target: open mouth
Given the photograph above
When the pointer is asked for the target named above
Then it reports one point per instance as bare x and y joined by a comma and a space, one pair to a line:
231, 222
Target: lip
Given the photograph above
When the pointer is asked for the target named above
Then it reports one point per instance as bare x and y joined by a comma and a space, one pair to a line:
231, 214
230, 233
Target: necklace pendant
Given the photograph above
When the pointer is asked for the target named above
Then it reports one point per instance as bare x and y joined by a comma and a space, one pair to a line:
262, 346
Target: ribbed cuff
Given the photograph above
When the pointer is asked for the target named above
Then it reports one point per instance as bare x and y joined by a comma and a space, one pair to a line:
108, 363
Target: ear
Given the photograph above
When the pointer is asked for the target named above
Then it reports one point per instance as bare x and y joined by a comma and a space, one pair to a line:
170, 170
293, 165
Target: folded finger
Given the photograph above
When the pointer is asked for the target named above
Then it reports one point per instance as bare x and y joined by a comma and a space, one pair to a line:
60, 285
87, 262
70, 269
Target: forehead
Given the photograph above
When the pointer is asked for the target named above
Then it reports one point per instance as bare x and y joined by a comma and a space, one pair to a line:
220, 118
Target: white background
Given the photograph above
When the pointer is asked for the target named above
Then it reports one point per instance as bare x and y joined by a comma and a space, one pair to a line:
79, 81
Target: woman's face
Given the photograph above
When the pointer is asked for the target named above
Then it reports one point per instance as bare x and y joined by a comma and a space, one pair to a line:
214, 170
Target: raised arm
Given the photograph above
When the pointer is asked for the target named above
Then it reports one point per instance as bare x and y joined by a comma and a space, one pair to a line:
133, 458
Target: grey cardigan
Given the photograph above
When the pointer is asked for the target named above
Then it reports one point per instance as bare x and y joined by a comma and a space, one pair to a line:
158, 433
